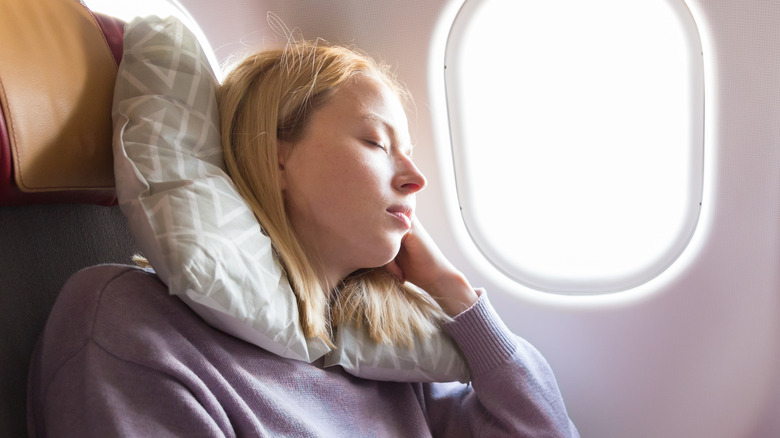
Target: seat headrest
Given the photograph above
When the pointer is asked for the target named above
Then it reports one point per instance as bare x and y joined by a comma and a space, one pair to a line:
58, 64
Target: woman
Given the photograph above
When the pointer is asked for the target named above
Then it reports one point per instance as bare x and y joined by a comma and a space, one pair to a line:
316, 140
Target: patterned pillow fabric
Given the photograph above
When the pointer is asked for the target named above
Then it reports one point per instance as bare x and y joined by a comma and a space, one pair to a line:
196, 230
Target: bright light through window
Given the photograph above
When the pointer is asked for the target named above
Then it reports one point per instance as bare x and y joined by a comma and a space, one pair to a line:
127, 10
577, 130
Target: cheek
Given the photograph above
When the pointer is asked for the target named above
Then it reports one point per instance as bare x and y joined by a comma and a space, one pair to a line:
359, 177
340, 182
329, 189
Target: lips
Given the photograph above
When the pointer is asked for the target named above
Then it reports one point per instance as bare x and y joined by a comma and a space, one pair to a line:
403, 213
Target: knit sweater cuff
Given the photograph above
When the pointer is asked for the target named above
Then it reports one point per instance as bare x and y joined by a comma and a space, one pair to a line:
484, 339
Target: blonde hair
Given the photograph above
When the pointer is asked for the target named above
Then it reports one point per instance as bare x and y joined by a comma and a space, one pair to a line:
271, 96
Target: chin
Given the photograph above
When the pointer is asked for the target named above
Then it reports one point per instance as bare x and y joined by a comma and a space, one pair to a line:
382, 261
387, 255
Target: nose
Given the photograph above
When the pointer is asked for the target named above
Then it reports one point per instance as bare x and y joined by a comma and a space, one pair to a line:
408, 178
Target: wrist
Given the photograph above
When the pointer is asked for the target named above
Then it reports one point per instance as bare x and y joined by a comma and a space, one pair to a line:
454, 293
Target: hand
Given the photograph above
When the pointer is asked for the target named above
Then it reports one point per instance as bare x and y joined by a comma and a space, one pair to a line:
422, 263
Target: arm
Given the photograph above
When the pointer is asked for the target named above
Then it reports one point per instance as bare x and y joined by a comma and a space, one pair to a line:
513, 391
97, 394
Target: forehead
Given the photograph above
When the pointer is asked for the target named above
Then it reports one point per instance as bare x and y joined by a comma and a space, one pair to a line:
371, 101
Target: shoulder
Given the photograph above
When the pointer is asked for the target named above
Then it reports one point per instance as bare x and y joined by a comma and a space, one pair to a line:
107, 301
126, 312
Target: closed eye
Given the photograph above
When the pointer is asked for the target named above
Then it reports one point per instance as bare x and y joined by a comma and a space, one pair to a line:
379, 145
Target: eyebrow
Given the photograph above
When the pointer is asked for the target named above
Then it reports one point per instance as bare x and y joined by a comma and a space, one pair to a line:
376, 118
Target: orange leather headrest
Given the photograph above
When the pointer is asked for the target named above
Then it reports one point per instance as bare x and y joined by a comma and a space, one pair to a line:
58, 66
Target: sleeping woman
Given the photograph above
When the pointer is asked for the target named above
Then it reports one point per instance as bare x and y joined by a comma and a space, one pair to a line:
316, 140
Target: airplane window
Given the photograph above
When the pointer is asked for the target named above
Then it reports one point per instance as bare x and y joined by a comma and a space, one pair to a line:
577, 132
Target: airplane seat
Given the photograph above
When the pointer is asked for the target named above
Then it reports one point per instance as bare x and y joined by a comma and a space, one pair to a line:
58, 64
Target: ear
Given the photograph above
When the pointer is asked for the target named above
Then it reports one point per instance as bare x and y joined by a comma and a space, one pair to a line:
282, 152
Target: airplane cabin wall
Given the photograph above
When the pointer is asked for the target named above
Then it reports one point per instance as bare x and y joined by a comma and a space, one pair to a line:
695, 351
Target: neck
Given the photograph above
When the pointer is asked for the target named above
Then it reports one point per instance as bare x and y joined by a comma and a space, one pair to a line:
330, 276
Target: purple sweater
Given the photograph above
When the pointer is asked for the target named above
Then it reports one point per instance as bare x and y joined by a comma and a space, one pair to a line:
121, 357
